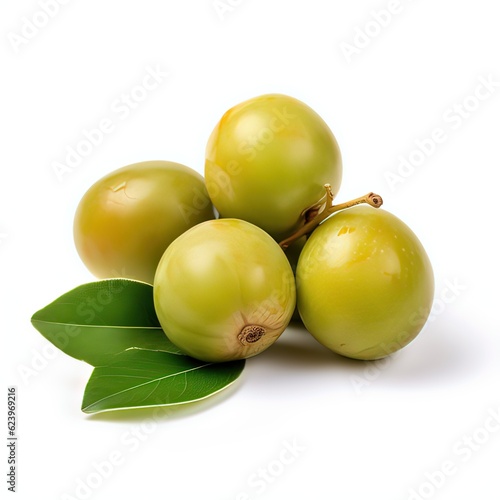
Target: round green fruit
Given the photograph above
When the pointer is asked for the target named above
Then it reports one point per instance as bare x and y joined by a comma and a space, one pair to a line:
267, 162
224, 290
364, 283
127, 219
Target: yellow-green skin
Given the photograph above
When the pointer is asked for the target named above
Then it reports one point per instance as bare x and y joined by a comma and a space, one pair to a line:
220, 282
126, 220
365, 284
267, 162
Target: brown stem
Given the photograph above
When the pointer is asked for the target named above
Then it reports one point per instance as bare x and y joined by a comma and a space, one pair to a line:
371, 199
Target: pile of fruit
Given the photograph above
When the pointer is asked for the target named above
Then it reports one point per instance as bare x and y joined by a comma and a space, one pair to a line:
233, 257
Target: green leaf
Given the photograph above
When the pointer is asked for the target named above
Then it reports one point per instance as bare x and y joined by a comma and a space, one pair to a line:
139, 378
95, 321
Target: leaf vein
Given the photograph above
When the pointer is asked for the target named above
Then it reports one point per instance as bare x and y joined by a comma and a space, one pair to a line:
157, 380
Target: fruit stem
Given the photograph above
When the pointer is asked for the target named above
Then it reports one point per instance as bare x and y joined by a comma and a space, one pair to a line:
372, 199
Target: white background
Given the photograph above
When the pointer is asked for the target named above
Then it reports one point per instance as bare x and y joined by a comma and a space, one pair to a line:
359, 430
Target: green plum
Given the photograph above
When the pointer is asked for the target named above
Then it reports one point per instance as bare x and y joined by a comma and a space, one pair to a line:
224, 290
365, 284
267, 161
127, 219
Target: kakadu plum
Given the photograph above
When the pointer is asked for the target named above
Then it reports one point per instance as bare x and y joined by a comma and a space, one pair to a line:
224, 290
127, 219
267, 162
365, 284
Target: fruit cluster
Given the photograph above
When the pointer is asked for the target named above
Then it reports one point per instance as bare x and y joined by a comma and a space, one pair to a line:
235, 255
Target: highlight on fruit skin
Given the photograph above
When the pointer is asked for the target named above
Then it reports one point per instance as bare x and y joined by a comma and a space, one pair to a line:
224, 290
267, 161
126, 220
365, 283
